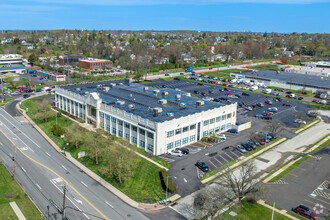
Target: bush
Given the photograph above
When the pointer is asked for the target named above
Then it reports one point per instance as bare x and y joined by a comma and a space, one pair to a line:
171, 185
251, 200
57, 130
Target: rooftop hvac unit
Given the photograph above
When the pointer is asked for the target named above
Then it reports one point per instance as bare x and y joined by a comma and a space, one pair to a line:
131, 107
78, 89
164, 93
157, 110
183, 105
178, 97
156, 91
199, 103
120, 102
86, 93
112, 85
162, 101
106, 89
278, 72
146, 88
170, 114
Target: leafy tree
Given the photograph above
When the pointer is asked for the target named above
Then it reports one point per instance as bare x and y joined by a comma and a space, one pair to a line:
95, 143
44, 111
74, 134
57, 130
32, 58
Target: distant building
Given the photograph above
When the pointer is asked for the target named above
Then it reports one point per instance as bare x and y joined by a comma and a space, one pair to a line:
11, 60
287, 54
9, 70
310, 70
68, 60
321, 64
94, 64
54, 76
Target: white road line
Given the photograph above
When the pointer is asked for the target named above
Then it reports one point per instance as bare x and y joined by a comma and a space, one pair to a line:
47, 153
38, 186
212, 164
1, 144
218, 160
223, 158
23, 169
108, 204
85, 215
229, 156
64, 167
185, 180
83, 183
235, 154
309, 201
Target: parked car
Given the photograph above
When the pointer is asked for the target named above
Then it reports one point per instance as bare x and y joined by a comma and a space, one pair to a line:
299, 121
249, 108
268, 102
247, 147
268, 113
240, 148
287, 104
202, 166
232, 130
16, 93
176, 78
222, 136
259, 104
175, 153
273, 109
314, 100
305, 211
26, 96
245, 93
183, 150
38, 90
300, 98
252, 144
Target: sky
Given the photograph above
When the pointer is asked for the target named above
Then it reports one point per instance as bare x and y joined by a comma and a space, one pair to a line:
285, 16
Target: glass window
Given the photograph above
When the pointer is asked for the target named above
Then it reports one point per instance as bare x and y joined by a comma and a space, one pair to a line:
127, 136
212, 121
169, 146
120, 133
150, 135
178, 143
192, 138
223, 127
134, 140
107, 117
150, 147
218, 119
217, 129
108, 128
206, 122
211, 130
142, 143
101, 114
228, 126
192, 127
185, 129
113, 119
134, 128
204, 133
126, 125
178, 131
229, 115
223, 117
114, 131
233, 114
120, 122
184, 140
170, 133
141, 131
93, 111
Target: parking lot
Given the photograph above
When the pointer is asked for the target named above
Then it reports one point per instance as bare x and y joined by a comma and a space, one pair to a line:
205, 91
308, 184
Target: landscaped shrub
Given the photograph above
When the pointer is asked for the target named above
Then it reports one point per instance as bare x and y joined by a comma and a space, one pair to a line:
163, 179
57, 130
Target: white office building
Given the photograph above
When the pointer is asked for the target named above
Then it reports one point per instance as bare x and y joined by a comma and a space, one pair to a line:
11, 60
156, 120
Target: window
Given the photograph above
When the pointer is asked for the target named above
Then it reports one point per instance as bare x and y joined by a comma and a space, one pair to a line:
107, 117
185, 129
108, 127
120, 133
141, 131
233, 114
192, 138
150, 135
223, 127
206, 122
142, 144
120, 122
211, 130
93, 111
150, 147
134, 128
228, 126
126, 136
217, 129
192, 127
223, 117
184, 140
101, 114
169, 146
134, 140
178, 143
114, 131
204, 133
126, 125
229, 115
212, 121
113, 119
170, 133
178, 131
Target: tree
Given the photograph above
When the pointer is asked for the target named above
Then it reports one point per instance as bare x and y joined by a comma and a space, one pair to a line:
74, 134
119, 162
241, 182
275, 127
32, 59
209, 201
95, 142
44, 111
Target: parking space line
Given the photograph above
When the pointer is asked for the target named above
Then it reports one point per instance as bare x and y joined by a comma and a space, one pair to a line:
223, 158
212, 164
229, 156
235, 154
309, 201
217, 160
292, 174
320, 200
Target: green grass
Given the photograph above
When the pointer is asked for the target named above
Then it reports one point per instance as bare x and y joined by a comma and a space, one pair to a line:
289, 169
307, 93
144, 184
320, 147
317, 106
251, 212
264, 67
9, 186
143, 81
279, 208
296, 216
328, 218
308, 123
316, 143
225, 74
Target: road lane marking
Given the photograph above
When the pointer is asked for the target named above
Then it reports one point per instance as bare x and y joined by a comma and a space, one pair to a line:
223, 158
1, 144
108, 204
38, 186
23, 169
185, 180
64, 167
235, 154
47, 153
229, 156
218, 160
44, 166
83, 183
212, 164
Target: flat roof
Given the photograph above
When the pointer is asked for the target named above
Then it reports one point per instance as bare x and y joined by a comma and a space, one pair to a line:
143, 100
10, 56
290, 78
91, 60
11, 68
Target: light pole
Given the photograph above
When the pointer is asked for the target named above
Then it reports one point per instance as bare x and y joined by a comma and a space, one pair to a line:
14, 159
167, 186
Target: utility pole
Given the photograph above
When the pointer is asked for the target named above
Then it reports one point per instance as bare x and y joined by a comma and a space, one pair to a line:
14, 159
63, 209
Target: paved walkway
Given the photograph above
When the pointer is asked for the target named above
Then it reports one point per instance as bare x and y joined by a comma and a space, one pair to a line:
306, 127
282, 212
17, 211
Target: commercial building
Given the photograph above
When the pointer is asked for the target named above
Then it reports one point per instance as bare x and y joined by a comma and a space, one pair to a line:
94, 64
54, 76
321, 64
319, 71
156, 120
12, 70
11, 60
285, 80
68, 60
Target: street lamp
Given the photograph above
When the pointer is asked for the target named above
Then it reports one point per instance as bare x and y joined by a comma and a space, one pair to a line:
167, 186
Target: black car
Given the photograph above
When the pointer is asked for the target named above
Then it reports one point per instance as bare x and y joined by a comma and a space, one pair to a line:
163, 86
259, 104
287, 104
247, 147
183, 150
176, 78
216, 100
221, 90
245, 93
200, 84
38, 90
211, 91
26, 96
196, 91
300, 98
202, 165
268, 102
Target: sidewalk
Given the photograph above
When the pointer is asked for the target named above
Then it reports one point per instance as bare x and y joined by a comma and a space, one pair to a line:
282, 212
118, 193
17, 211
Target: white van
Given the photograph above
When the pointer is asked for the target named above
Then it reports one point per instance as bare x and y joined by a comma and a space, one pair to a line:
292, 95
45, 88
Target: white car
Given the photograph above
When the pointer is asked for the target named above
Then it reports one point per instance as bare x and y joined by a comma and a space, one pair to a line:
175, 153
299, 121
273, 109
222, 136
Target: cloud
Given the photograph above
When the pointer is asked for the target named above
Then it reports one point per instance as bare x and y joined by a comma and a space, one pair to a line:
172, 2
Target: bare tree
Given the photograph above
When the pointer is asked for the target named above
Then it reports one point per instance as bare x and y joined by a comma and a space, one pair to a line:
275, 127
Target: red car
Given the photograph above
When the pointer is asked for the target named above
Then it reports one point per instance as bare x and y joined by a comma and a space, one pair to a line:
224, 84
229, 93
244, 104
288, 96
226, 89
305, 211
20, 90
268, 113
213, 82
314, 100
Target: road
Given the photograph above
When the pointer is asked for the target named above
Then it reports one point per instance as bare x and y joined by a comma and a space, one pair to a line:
43, 172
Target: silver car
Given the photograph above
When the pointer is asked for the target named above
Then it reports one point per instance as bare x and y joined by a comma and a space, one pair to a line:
240, 148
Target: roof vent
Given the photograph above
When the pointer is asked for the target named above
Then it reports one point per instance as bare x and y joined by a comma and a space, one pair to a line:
170, 114
164, 93
120, 84
78, 89
156, 91
199, 103
183, 105
146, 88
162, 101
86, 93
112, 85
157, 110
131, 107
131, 95
178, 97
120, 102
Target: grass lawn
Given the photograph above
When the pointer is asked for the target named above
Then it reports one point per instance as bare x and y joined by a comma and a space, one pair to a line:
225, 74
144, 184
307, 93
11, 191
249, 212
264, 67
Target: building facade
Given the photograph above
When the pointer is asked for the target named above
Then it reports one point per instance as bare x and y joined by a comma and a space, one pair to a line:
94, 64
7, 60
154, 120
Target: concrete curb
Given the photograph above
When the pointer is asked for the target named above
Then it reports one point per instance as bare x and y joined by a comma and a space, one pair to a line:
282, 212
17, 211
